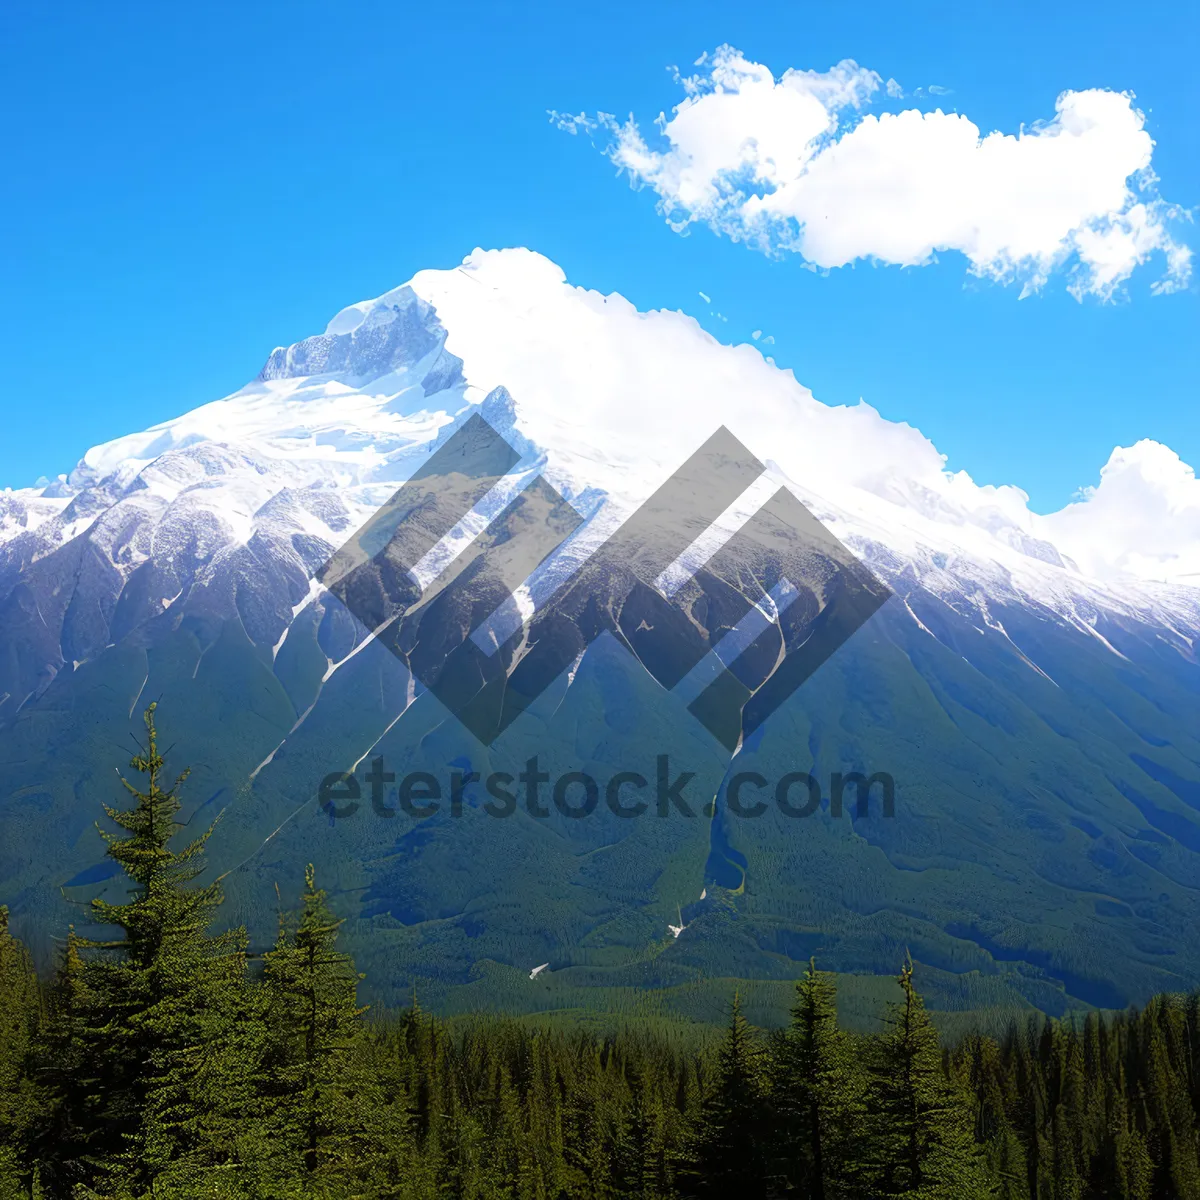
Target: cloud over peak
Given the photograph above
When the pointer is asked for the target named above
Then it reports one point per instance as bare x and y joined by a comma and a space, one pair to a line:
1142, 519
792, 165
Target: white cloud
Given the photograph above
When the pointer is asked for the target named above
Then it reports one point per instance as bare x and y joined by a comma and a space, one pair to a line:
1142, 519
777, 164
621, 392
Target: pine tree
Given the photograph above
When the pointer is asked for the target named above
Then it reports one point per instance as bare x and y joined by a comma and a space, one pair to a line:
545, 1114
589, 1136
1063, 1066
321, 1103
1125, 1170
20, 1010
981, 1069
153, 1013
65, 1128
922, 1141
647, 1137
817, 1095
1030, 1119
731, 1152
1170, 1118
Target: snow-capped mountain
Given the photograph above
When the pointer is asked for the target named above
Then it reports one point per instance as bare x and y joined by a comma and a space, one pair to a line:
605, 401
184, 556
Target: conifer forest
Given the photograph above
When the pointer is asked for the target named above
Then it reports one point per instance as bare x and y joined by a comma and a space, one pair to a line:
163, 1059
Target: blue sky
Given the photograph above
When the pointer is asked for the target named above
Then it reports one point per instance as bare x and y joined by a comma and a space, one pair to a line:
187, 186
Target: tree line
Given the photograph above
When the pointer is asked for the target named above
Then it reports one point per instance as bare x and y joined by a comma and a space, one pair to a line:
161, 1061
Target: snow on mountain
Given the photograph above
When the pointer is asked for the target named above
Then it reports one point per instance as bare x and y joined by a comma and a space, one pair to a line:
606, 401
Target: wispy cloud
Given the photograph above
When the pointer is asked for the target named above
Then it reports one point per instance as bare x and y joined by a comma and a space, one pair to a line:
792, 165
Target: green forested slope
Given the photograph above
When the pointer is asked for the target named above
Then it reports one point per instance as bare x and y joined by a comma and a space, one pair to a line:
1044, 853
160, 1060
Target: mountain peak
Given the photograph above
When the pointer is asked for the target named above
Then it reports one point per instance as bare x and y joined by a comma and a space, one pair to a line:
609, 400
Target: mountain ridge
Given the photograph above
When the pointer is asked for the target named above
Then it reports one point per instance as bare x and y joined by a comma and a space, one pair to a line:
1039, 720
